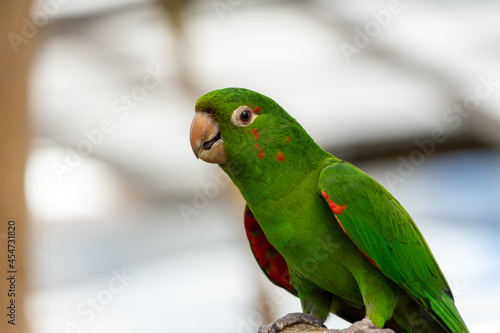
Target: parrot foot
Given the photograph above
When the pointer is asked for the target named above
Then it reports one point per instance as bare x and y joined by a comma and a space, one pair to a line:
291, 319
365, 326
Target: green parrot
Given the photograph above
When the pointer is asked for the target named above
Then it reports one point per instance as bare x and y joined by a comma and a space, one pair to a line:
318, 226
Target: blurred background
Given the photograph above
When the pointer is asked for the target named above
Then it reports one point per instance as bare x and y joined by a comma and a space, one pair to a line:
128, 232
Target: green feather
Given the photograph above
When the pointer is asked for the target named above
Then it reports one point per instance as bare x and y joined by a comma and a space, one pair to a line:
385, 232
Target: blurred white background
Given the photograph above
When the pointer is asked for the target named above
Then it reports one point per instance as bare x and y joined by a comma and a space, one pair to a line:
130, 233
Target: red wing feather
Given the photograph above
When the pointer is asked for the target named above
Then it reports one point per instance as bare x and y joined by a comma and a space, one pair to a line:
269, 259
339, 210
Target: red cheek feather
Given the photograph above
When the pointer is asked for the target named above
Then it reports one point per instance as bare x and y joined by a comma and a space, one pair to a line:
280, 157
261, 151
255, 133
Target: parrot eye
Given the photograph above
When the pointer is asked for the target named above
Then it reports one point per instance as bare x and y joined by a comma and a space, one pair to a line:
243, 116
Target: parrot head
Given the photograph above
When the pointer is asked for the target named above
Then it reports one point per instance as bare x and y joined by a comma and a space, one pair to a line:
255, 141
231, 122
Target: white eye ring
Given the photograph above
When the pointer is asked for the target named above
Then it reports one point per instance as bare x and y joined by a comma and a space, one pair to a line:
243, 116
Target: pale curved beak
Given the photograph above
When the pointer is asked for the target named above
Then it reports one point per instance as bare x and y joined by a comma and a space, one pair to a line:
206, 140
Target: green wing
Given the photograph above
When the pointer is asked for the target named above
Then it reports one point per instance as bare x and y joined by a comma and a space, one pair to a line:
385, 233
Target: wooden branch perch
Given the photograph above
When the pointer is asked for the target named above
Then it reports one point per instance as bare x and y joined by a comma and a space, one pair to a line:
302, 328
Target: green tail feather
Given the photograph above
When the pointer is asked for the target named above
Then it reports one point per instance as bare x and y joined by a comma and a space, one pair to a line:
447, 313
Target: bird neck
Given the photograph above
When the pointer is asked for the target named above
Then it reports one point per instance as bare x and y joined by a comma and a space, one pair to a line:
269, 169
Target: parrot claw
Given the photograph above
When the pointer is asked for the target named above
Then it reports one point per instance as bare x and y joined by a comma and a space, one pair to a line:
291, 319
365, 326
